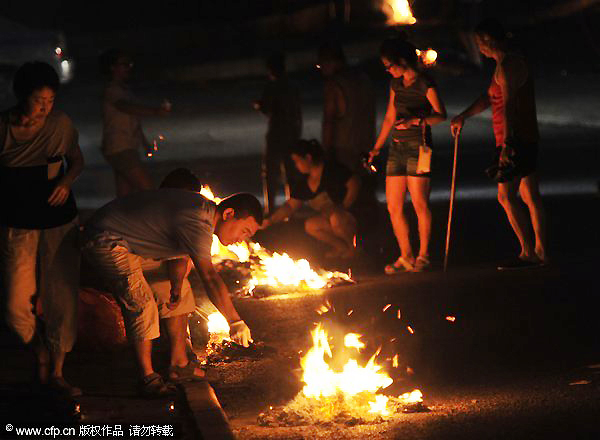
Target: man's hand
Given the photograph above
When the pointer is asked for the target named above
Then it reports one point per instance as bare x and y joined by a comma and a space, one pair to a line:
240, 333
456, 125
175, 298
60, 194
373, 153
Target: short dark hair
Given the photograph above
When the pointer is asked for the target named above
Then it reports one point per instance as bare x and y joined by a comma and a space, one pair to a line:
305, 147
397, 50
182, 178
109, 58
34, 76
244, 204
493, 28
275, 62
332, 51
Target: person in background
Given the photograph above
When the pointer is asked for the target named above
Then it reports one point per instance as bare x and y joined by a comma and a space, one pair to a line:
40, 159
280, 102
122, 134
514, 120
348, 131
414, 103
330, 189
348, 128
174, 225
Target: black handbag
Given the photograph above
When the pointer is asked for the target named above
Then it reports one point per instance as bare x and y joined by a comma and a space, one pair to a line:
505, 172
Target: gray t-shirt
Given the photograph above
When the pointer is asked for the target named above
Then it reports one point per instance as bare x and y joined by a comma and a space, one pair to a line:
411, 102
121, 131
162, 223
56, 138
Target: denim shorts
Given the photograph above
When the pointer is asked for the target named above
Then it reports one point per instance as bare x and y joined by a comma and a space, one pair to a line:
403, 158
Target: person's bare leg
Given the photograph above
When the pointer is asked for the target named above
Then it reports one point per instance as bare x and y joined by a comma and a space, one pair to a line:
58, 361
143, 354
177, 331
395, 192
419, 188
530, 193
42, 356
343, 225
507, 196
319, 228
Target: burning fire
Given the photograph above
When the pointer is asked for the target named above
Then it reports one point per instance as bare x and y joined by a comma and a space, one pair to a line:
271, 269
398, 12
353, 390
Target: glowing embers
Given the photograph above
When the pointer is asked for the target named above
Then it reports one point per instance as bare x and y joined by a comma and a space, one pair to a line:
398, 12
350, 395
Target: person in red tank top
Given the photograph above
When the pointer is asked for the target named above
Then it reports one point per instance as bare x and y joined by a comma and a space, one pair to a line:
511, 96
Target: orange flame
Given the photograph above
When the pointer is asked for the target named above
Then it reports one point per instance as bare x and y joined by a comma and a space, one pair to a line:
273, 269
398, 12
322, 382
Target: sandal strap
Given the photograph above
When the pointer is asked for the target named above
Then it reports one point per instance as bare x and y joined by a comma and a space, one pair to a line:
186, 372
147, 380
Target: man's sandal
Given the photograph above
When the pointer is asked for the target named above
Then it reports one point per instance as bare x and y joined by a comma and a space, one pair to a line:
153, 386
398, 266
187, 373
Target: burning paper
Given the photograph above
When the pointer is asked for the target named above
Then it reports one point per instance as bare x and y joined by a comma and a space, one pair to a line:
269, 269
350, 395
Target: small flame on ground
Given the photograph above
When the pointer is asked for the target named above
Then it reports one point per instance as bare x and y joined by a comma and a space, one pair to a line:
451, 318
325, 386
379, 406
399, 314
387, 307
217, 324
410, 329
350, 312
414, 396
395, 361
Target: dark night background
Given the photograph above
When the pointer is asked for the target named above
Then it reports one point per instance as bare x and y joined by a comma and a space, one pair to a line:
504, 369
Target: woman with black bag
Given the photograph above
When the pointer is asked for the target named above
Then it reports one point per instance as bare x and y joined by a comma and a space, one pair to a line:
511, 96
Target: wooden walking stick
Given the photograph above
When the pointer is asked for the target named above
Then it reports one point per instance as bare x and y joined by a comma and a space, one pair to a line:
452, 193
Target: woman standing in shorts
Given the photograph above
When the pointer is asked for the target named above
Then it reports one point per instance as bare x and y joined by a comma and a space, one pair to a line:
511, 96
414, 101
122, 134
